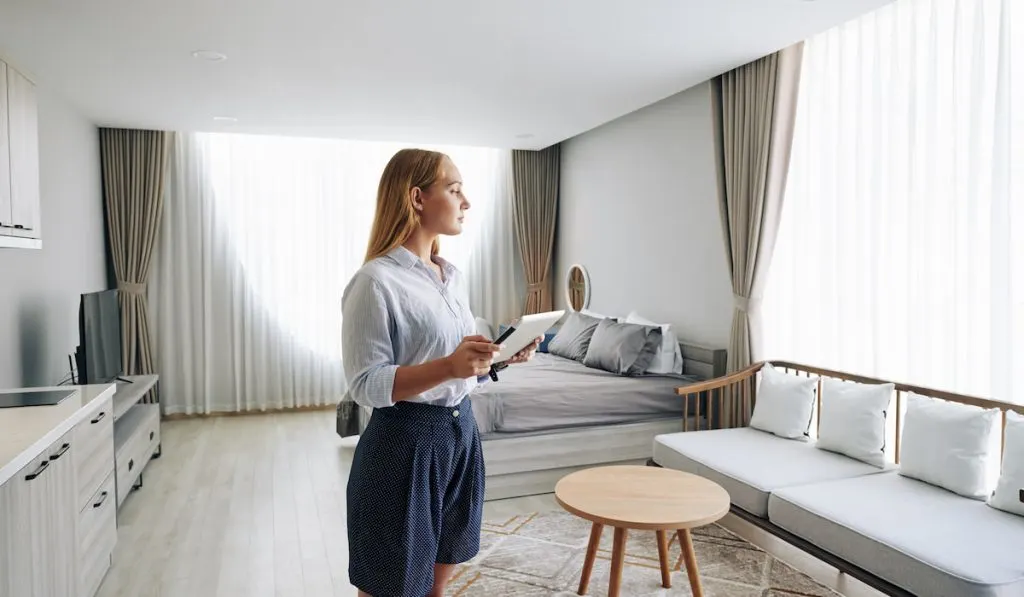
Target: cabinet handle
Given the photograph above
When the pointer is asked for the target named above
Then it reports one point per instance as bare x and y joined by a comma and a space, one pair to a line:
103, 498
38, 471
98, 418
131, 463
63, 449
151, 434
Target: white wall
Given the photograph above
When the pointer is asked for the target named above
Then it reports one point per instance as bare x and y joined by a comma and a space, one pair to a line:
638, 208
39, 289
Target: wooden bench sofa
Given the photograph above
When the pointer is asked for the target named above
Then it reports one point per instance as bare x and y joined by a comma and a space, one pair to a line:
925, 524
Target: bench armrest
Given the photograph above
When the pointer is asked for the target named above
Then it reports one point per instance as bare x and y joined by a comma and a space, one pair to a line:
714, 391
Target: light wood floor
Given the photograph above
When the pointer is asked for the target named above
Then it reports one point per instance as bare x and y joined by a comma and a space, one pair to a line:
255, 505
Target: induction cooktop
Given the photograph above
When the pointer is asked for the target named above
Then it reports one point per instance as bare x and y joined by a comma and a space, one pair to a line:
40, 398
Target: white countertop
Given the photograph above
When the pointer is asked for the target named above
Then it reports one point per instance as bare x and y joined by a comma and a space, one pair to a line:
26, 431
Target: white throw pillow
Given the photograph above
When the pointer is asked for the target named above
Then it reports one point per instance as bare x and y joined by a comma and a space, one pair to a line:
852, 419
785, 403
951, 445
670, 356
1009, 495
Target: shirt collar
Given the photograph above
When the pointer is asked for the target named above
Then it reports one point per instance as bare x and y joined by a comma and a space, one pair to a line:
406, 258
403, 257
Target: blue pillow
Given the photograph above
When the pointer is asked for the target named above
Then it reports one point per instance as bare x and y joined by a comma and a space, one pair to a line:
548, 335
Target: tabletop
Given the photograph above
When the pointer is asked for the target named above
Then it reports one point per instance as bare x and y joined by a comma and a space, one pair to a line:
642, 497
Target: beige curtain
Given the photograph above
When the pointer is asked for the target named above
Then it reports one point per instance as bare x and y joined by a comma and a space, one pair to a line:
134, 173
754, 108
535, 200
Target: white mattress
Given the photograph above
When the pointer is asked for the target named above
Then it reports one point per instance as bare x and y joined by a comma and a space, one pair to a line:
551, 392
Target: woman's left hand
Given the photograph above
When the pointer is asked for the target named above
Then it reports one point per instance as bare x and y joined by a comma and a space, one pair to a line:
525, 354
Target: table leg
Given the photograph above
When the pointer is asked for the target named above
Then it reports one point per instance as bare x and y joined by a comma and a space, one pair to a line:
686, 544
618, 557
666, 577
588, 564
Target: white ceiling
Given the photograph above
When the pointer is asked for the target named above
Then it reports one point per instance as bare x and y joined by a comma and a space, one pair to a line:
481, 72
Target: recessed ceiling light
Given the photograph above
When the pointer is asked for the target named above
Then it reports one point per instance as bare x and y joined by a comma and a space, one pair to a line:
225, 119
209, 55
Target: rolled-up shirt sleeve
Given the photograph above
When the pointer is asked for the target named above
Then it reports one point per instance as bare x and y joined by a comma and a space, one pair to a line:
368, 355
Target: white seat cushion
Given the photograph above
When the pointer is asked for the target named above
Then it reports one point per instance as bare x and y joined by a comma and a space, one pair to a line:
750, 463
923, 538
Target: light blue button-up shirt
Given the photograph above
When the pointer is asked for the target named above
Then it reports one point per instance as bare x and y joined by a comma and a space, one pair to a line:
397, 312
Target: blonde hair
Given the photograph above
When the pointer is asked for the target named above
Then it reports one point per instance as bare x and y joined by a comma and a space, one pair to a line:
396, 219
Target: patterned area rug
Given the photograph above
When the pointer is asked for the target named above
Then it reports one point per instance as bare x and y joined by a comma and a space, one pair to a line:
542, 555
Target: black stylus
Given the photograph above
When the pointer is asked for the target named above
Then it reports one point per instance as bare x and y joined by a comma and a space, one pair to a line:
499, 366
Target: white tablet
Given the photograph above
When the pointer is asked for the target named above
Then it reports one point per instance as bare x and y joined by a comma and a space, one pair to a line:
523, 332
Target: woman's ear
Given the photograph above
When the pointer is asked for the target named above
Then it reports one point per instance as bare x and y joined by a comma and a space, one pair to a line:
416, 198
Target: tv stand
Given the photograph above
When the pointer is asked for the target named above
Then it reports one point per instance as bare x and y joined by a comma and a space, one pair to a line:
136, 432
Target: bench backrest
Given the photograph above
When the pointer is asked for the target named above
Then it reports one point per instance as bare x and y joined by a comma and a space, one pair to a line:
895, 430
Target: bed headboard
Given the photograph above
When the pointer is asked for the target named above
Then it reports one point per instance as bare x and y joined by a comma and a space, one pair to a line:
703, 362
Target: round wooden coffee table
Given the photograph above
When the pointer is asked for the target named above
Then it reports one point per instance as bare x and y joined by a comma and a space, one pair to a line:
641, 498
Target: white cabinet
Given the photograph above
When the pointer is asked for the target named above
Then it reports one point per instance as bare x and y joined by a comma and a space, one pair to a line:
20, 220
38, 526
95, 502
59, 488
62, 493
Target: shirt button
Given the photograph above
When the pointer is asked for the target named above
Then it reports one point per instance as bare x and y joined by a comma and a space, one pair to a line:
455, 413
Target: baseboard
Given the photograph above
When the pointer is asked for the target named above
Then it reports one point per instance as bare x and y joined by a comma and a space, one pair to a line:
250, 413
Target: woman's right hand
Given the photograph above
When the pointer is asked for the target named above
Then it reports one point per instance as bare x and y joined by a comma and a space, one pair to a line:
473, 357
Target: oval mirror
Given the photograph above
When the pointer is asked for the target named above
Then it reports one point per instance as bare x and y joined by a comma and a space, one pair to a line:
577, 288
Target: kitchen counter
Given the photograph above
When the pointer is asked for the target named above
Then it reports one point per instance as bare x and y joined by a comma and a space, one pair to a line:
27, 431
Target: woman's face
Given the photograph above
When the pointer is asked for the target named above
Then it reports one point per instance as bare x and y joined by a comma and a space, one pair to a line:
442, 205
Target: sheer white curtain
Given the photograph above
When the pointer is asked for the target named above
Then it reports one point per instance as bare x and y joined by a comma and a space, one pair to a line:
259, 237
901, 247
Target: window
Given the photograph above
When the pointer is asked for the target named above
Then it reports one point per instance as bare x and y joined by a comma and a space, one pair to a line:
901, 247
260, 236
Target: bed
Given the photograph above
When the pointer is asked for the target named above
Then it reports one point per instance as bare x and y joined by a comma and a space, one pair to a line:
551, 416
522, 401
561, 411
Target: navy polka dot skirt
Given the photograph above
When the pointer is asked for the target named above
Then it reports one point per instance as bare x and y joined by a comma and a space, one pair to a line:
415, 497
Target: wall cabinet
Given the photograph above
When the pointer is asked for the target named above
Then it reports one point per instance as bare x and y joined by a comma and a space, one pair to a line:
39, 542
6, 213
20, 216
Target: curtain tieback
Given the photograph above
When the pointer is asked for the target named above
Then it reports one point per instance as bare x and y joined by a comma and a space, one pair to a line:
131, 287
744, 303
535, 287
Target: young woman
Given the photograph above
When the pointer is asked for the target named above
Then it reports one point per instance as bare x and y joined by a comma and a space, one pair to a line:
415, 493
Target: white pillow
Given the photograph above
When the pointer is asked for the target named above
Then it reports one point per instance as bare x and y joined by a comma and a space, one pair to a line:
852, 419
784, 403
951, 445
670, 357
1009, 495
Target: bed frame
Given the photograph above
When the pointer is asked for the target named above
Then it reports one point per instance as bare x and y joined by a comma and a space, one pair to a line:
532, 464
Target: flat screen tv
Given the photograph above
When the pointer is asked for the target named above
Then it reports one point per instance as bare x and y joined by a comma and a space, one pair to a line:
99, 330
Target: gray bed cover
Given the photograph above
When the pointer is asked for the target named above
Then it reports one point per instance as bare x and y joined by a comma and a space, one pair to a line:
551, 392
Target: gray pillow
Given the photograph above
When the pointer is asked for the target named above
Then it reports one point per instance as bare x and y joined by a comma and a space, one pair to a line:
573, 337
623, 348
